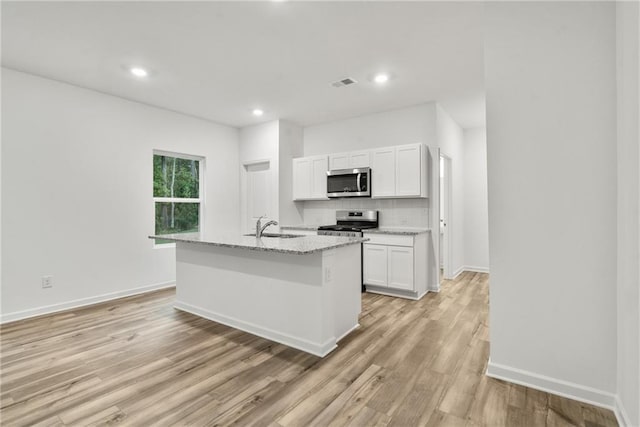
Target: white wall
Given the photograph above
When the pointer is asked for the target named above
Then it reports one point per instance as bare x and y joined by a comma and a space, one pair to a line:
395, 127
290, 146
451, 142
78, 192
476, 209
628, 45
551, 126
279, 142
257, 144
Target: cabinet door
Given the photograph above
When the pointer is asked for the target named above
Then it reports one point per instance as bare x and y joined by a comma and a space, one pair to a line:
400, 264
383, 172
301, 178
375, 264
339, 161
360, 159
319, 177
408, 170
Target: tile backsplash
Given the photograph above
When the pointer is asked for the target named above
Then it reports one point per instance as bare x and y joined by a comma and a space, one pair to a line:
392, 212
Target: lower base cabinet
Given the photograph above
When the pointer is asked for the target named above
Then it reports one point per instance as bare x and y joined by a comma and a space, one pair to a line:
400, 268
395, 264
375, 264
388, 264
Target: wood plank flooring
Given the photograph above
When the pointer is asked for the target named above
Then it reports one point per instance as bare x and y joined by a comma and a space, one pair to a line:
138, 361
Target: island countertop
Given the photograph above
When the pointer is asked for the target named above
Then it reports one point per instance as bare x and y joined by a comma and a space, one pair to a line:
296, 245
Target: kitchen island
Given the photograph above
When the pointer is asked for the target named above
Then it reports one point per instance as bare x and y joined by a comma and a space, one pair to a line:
303, 291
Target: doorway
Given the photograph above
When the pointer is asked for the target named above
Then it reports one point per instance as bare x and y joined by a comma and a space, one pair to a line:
445, 218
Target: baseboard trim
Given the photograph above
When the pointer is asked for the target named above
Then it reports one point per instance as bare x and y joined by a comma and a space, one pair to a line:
317, 349
476, 269
555, 386
458, 272
79, 303
621, 414
396, 292
348, 332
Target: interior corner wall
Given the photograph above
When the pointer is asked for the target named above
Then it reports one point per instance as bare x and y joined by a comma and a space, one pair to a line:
476, 209
550, 80
450, 137
77, 190
290, 146
395, 127
259, 143
628, 219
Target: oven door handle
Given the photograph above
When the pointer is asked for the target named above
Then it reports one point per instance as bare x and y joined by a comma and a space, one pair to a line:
358, 182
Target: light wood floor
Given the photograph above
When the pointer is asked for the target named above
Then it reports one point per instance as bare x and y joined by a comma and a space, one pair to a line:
137, 361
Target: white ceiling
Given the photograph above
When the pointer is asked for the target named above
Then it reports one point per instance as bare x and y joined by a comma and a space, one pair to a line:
219, 60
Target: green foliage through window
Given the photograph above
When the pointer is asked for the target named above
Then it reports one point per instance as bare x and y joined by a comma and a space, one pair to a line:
176, 178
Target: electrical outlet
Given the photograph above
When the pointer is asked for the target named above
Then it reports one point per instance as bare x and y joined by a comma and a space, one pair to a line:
47, 281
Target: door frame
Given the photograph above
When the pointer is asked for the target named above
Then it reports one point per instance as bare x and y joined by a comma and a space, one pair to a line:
244, 191
446, 210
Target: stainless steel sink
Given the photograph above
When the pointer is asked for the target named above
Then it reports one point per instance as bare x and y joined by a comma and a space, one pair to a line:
279, 235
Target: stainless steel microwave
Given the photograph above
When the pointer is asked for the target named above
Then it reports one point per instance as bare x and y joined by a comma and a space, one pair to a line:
349, 183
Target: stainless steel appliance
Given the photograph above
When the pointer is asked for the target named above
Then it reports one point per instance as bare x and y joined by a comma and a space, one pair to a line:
351, 224
349, 183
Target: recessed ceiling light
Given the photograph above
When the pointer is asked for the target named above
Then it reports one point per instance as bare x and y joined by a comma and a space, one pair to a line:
257, 112
139, 72
381, 78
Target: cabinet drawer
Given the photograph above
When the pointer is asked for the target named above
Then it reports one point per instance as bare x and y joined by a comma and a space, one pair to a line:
389, 239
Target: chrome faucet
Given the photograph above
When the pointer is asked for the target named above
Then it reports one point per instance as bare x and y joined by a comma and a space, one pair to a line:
260, 228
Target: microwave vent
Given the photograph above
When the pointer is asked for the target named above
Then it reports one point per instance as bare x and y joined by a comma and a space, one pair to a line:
344, 82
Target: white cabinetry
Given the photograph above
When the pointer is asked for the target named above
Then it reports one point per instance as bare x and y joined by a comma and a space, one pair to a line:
375, 264
355, 159
400, 267
408, 159
395, 264
338, 161
310, 178
399, 171
383, 172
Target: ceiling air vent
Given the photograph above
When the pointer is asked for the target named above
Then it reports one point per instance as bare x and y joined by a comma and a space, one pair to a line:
344, 82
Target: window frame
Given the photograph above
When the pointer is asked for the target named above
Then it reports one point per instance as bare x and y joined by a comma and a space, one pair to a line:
201, 192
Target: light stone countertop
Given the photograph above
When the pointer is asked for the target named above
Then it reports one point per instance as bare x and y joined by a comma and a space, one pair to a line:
298, 245
299, 227
409, 231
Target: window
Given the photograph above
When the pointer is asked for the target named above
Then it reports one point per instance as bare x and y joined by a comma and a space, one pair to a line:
177, 193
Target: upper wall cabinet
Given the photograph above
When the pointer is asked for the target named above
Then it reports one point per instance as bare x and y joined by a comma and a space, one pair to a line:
399, 171
310, 178
355, 159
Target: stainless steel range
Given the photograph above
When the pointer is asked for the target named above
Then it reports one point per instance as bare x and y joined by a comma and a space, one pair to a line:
350, 223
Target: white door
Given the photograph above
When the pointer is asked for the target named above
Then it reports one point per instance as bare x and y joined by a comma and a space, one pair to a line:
408, 170
400, 265
258, 194
445, 217
383, 172
375, 264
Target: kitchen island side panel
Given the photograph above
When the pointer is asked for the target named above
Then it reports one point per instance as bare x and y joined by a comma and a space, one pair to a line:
282, 297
